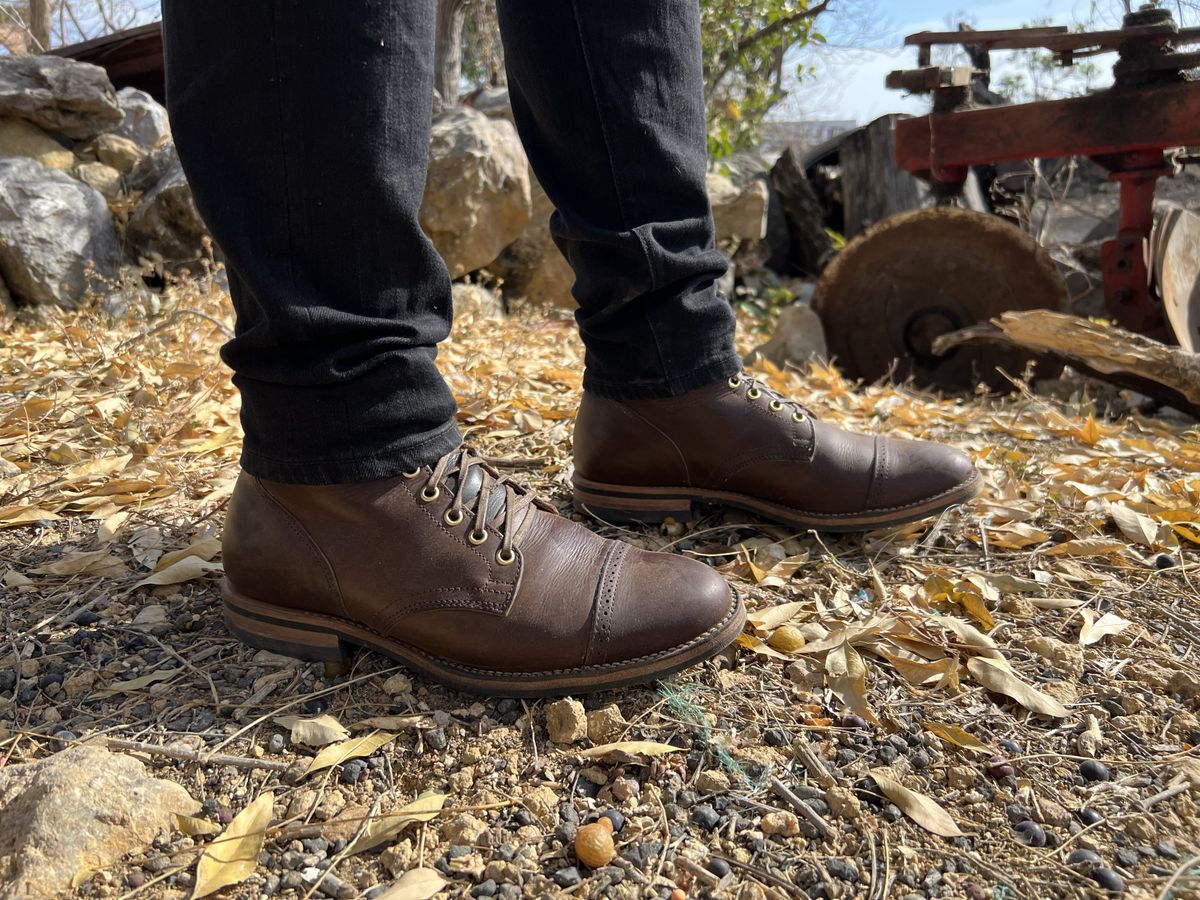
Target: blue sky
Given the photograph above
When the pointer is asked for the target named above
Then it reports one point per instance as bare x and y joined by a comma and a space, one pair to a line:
849, 83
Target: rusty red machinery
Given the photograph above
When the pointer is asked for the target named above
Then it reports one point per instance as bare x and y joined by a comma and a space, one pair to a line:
939, 269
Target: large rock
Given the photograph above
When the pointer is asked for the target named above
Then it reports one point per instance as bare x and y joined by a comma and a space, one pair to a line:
166, 226
119, 152
21, 138
532, 266
740, 213
60, 96
56, 234
78, 811
798, 338
145, 121
477, 194
494, 103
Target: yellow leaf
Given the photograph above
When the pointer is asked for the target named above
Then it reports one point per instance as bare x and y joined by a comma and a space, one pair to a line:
1086, 547
773, 616
1090, 432
1094, 630
187, 569
964, 594
1016, 536
754, 645
336, 754
630, 748
415, 884
383, 828
233, 857
1003, 681
923, 810
194, 827
956, 736
846, 675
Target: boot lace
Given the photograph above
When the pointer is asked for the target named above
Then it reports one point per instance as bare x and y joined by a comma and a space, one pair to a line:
756, 390
481, 492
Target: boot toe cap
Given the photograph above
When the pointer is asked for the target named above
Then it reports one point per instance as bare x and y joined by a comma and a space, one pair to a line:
920, 472
660, 604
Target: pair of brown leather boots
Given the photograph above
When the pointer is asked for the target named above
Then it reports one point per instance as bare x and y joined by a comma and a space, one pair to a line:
470, 579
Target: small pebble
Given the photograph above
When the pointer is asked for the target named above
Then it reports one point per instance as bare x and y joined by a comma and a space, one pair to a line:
64, 739
1166, 849
718, 867
1031, 833
436, 738
920, 760
706, 817
854, 722
1164, 561
617, 819
1127, 858
276, 744
1109, 880
86, 617
999, 768
842, 870
1089, 816
484, 889
1094, 770
1083, 857
568, 877
136, 878
314, 706
776, 737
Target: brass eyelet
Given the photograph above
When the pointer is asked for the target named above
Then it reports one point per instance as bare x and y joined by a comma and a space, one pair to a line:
453, 517
413, 474
734, 382
753, 394
799, 417
776, 405
506, 558
477, 537
430, 495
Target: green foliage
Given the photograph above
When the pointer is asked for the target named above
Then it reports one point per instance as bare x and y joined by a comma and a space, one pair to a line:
748, 56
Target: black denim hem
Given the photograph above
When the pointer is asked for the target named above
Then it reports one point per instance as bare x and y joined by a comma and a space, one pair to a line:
387, 463
718, 369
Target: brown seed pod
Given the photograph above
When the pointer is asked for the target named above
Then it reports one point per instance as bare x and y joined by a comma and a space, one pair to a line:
594, 844
787, 639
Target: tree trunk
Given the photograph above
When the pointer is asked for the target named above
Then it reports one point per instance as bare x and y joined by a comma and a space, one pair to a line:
811, 247
447, 54
39, 25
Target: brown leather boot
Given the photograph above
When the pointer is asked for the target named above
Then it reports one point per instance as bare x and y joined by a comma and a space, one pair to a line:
462, 575
741, 444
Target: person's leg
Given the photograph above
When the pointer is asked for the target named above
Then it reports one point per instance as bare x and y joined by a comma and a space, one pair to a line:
304, 131
609, 101
608, 98
359, 520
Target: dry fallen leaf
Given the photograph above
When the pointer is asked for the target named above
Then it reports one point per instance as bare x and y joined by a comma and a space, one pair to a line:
233, 857
630, 748
187, 569
1094, 630
415, 884
925, 811
772, 617
137, 684
379, 829
204, 549
336, 754
1001, 680
956, 736
194, 827
96, 562
846, 675
316, 732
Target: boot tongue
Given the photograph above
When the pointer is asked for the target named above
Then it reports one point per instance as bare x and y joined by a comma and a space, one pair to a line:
474, 483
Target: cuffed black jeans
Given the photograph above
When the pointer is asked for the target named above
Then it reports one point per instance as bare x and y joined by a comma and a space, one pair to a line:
303, 126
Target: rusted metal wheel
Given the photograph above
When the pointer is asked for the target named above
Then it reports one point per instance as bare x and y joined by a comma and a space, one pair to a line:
917, 275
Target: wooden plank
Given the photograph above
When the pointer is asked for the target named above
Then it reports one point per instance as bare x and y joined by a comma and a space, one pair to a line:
929, 38
1114, 121
873, 188
1056, 38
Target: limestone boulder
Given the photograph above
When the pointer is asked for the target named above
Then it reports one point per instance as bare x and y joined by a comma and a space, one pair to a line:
60, 96
78, 811
119, 152
166, 226
144, 119
100, 177
798, 338
477, 193
19, 137
740, 212
532, 266
57, 239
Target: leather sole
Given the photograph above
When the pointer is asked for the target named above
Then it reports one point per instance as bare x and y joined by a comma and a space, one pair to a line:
321, 638
624, 503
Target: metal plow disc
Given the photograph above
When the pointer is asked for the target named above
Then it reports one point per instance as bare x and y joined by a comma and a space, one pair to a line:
917, 275
1177, 270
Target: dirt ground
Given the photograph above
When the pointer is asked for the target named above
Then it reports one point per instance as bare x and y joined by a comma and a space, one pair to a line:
1000, 703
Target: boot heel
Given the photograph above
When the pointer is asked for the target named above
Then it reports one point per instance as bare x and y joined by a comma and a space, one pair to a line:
252, 623
618, 507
